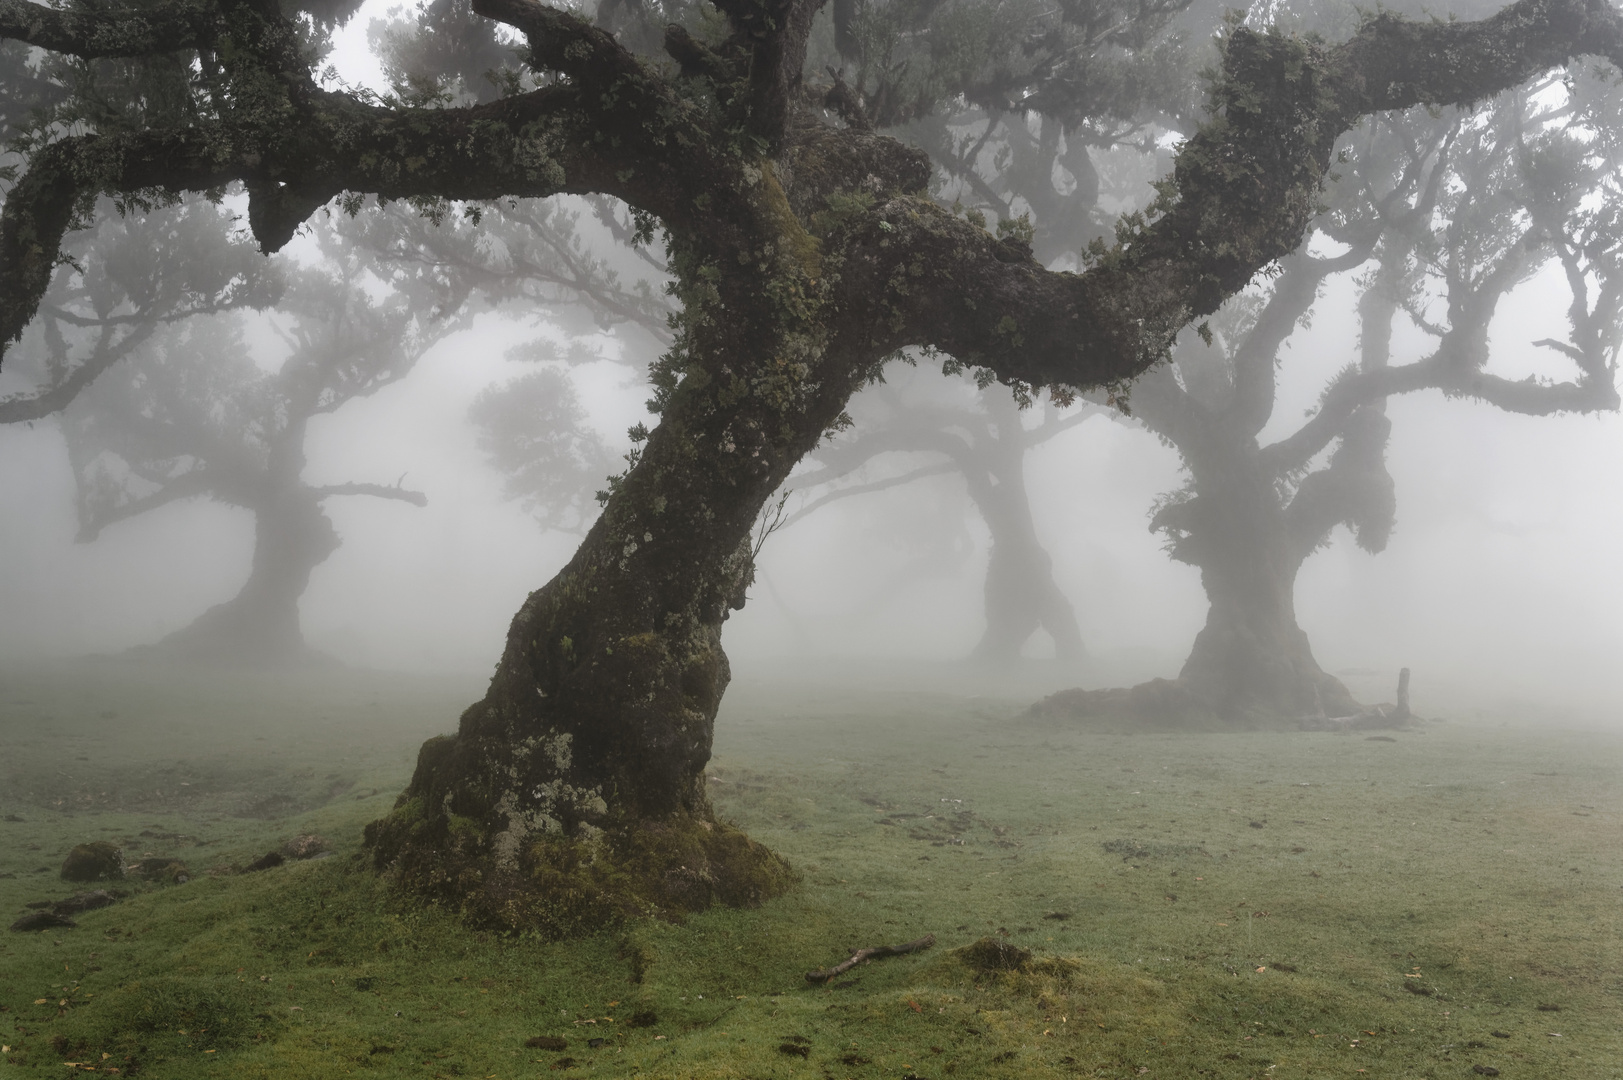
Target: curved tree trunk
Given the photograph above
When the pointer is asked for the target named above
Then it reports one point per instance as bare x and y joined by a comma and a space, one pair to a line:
574, 792
1021, 595
260, 625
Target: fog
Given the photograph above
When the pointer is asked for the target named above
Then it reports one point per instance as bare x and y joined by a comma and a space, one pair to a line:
1500, 586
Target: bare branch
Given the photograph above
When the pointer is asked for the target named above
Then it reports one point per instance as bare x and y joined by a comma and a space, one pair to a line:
377, 491
938, 468
186, 486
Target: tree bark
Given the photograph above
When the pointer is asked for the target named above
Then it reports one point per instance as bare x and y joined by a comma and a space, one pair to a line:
574, 792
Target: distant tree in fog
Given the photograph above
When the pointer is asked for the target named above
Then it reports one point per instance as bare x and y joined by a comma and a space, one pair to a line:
126, 278
193, 415
1445, 216
982, 437
535, 432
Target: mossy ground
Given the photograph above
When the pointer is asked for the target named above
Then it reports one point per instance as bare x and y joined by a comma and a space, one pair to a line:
1405, 899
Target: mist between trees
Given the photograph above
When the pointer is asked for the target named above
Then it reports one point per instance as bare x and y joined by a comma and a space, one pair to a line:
848, 253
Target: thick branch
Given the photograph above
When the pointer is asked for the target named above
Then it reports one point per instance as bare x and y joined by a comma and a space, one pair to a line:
57, 397
38, 210
185, 486
377, 491
1440, 371
1245, 188
563, 41
165, 26
532, 145
1392, 63
1255, 366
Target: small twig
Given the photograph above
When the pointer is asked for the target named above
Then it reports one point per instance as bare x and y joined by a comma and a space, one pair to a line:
859, 955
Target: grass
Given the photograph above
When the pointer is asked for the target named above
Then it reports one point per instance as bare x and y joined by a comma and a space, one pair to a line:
1296, 905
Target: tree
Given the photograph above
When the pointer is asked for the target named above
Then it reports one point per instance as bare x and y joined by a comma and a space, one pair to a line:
1450, 213
805, 253
980, 435
193, 415
534, 431
126, 278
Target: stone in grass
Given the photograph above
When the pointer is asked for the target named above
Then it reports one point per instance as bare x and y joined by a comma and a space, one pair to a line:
85, 901
97, 861
546, 1042
42, 920
1484, 1070
304, 846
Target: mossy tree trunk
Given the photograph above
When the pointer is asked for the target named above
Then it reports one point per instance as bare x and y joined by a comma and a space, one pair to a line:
574, 791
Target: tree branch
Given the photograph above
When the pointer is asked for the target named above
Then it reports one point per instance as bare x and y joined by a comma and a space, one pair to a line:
563, 41
20, 407
531, 145
377, 491
859, 955
164, 26
38, 210
1243, 192
1392, 63
185, 486
937, 468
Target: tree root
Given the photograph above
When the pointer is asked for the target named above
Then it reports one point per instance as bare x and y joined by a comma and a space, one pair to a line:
857, 956
1372, 718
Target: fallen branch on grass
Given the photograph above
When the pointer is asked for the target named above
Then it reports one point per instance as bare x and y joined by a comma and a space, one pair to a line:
859, 955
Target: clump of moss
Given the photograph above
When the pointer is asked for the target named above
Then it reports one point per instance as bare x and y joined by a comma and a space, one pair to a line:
568, 886
95, 861
992, 954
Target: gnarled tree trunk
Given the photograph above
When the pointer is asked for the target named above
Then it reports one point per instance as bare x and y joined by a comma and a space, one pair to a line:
259, 626
574, 792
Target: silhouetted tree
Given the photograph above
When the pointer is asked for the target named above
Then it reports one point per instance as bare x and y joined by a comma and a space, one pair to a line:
982, 437
805, 252
193, 415
1449, 214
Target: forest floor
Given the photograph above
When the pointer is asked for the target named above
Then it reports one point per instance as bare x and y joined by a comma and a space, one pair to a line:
1439, 903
